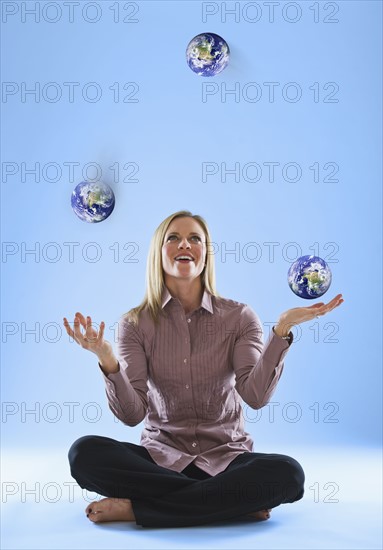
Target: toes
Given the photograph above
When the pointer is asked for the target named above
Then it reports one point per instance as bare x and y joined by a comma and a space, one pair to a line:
90, 508
261, 515
94, 517
93, 510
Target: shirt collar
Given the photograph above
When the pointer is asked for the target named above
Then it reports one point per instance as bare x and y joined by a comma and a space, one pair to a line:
206, 302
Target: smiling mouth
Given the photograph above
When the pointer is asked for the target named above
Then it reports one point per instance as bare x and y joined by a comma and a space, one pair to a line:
183, 259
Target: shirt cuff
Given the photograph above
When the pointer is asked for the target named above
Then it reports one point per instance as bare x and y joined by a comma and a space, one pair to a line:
108, 375
288, 339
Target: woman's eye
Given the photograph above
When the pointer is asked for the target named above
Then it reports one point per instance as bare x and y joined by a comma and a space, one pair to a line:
192, 238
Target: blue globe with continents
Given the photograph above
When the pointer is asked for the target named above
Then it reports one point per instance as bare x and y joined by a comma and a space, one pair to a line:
207, 54
309, 277
92, 202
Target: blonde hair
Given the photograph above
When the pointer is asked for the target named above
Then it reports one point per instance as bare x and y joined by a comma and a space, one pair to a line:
155, 282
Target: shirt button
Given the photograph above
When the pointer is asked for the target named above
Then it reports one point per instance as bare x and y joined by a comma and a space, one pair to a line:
185, 360
187, 386
194, 444
189, 320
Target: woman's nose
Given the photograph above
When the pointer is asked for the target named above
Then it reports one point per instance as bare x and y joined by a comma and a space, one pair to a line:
184, 242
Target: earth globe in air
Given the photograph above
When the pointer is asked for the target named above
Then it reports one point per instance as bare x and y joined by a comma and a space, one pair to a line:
309, 277
207, 54
92, 202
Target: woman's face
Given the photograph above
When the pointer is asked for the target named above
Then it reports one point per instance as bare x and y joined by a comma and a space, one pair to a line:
184, 237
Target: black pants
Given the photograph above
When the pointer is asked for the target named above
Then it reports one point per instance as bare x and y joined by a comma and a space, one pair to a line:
164, 498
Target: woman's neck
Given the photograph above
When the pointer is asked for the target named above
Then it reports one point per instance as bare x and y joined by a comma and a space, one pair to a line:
189, 294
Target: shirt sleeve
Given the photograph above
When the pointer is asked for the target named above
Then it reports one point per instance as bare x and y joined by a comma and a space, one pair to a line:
126, 390
257, 366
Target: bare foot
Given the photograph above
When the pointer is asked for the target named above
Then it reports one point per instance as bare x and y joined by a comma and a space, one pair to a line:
110, 509
261, 515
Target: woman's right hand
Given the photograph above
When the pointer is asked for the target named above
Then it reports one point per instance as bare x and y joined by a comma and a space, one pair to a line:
91, 339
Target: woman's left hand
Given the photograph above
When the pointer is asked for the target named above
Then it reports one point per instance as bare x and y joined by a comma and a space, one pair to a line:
298, 315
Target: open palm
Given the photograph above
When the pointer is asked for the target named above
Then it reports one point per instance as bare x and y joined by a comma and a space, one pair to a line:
91, 339
298, 315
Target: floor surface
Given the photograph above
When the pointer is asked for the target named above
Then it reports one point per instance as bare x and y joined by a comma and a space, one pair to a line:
43, 508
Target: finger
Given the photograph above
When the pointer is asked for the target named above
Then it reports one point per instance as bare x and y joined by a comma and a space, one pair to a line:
67, 327
101, 332
88, 326
331, 302
77, 330
76, 322
330, 306
337, 304
91, 333
81, 318
335, 299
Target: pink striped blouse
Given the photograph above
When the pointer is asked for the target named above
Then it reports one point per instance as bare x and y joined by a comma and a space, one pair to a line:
186, 378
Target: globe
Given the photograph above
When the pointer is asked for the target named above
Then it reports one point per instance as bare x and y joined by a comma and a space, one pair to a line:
207, 54
92, 202
309, 277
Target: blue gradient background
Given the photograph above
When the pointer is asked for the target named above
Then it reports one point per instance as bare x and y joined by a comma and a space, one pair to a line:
169, 133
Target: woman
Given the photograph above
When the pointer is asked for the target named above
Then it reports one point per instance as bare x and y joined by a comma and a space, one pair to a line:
186, 356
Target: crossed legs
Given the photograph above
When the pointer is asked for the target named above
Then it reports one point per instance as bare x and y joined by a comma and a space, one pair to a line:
137, 489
